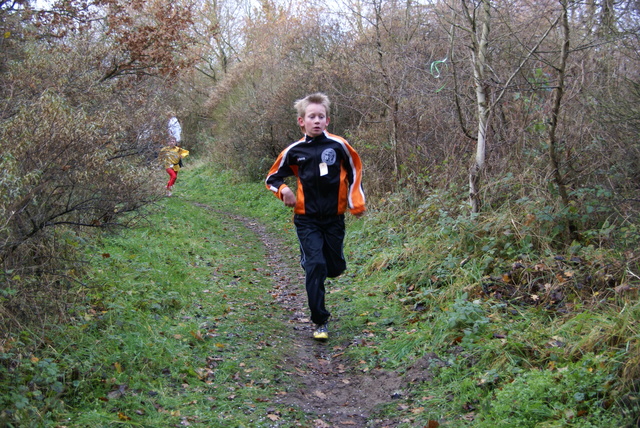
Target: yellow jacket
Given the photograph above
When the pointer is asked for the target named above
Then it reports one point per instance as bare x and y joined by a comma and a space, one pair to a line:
170, 157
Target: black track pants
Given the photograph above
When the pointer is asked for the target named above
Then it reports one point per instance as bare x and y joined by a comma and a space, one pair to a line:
321, 240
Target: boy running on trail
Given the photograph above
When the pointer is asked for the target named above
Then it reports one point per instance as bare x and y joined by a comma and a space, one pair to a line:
329, 180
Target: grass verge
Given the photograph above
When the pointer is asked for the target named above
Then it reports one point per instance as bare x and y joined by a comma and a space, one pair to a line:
506, 334
177, 327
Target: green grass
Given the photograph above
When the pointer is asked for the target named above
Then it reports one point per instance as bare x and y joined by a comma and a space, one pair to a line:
175, 324
178, 316
448, 291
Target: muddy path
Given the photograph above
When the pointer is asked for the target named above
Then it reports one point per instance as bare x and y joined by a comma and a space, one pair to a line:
327, 386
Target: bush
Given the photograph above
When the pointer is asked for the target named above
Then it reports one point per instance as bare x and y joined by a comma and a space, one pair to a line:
78, 154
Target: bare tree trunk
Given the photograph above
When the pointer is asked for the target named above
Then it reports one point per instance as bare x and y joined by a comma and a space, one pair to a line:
478, 19
479, 63
391, 105
558, 178
394, 139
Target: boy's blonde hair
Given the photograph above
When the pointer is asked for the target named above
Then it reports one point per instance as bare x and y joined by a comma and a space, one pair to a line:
317, 98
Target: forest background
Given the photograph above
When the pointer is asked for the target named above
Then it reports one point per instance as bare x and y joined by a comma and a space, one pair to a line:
511, 124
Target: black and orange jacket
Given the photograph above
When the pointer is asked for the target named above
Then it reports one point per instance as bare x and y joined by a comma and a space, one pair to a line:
329, 175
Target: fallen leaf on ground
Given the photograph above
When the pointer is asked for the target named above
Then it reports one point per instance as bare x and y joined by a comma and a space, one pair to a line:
123, 417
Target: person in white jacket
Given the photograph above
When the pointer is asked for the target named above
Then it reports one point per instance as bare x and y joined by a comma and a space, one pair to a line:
175, 130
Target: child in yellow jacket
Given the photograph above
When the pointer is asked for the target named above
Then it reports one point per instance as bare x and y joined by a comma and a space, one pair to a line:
171, 156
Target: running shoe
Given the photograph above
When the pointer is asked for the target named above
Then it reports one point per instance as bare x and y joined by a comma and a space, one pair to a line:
321, 333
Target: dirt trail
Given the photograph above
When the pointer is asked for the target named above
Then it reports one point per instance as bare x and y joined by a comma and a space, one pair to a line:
328, 385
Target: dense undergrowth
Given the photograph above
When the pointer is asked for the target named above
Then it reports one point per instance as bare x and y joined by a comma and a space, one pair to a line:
175, 328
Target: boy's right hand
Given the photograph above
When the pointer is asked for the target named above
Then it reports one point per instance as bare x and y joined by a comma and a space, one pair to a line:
288, 197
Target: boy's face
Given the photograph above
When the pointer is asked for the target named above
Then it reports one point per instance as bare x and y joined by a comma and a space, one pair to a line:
315, 120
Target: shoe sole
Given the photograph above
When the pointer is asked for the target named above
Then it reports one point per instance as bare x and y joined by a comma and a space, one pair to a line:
321, 336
